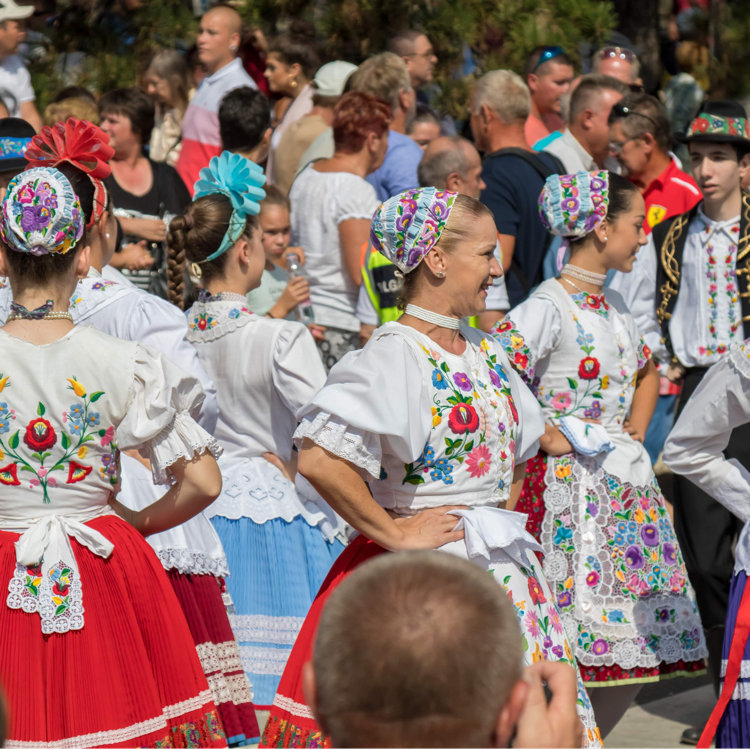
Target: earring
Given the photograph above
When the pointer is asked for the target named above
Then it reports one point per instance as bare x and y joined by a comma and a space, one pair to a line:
233, 48
440, 274
107, 235
294, 83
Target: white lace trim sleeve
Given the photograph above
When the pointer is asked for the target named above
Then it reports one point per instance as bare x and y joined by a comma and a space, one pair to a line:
342, 440
183, 438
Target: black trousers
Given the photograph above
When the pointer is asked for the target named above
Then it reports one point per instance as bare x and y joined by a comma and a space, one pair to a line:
705, 529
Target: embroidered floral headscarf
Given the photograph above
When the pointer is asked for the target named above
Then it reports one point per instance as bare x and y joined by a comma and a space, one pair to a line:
40, 213
241, 180
572, 205
407, 226
82, 144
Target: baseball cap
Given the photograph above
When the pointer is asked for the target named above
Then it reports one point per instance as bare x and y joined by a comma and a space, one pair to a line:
331, 77
11, 11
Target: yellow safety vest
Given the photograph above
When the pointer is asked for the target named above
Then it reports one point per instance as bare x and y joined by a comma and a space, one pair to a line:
383, 286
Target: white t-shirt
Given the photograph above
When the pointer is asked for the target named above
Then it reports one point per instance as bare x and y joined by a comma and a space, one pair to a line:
15, 85
320, 202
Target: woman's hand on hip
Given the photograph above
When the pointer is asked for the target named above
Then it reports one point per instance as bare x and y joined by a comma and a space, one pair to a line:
429, 528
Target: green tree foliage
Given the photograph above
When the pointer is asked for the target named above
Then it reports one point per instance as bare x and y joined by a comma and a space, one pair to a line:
500, 33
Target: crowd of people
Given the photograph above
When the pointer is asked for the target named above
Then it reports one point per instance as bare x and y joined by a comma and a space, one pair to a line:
264, 322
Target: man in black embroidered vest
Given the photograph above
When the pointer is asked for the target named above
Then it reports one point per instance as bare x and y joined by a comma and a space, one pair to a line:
690, 294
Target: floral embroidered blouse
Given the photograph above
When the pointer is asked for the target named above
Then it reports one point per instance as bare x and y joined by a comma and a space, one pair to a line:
707, 317
429, 427
66, 410
579, 353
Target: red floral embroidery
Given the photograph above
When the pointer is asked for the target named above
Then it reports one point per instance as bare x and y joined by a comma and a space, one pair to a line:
40, 435
506, 325
463, 418
520, 360
588, 369
535, 591
77, 472
8, 474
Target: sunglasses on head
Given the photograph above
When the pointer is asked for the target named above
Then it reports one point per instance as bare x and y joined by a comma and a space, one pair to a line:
548, 53
619, 53
622, 110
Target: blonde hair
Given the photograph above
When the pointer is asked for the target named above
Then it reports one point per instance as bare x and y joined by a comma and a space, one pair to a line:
505, 93
83, 109
384, 76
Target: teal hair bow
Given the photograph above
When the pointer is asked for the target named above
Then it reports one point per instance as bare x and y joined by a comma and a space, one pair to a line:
241, 180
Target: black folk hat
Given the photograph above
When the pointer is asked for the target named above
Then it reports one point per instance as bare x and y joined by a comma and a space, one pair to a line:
719, 122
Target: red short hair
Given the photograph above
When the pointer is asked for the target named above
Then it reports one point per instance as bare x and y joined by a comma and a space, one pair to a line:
356, 115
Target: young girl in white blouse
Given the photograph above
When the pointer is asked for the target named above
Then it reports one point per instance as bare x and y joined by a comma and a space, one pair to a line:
96, 649
611, 555
279, 545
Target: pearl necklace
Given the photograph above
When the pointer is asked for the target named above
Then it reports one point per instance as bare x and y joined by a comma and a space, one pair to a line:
45, 312
55, 315
590, 277
443, 321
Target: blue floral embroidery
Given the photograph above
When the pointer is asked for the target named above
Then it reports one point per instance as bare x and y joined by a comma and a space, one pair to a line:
438, 380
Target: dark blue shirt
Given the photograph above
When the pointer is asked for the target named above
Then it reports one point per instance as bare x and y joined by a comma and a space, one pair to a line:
512, 194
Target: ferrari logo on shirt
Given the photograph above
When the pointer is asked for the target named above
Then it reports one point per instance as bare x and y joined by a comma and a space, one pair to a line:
655, 214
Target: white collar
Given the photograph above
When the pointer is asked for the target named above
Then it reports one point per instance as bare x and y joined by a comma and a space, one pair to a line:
729, 227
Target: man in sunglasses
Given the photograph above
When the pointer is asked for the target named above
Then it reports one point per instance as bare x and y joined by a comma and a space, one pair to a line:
549, 73
640, 138
689, 291
619, 62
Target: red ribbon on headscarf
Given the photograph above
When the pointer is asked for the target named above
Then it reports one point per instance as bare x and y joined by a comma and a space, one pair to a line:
83, 145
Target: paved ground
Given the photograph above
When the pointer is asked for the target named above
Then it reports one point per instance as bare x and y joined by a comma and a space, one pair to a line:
661, 713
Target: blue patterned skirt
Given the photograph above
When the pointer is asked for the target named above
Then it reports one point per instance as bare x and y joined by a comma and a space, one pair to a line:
276, 569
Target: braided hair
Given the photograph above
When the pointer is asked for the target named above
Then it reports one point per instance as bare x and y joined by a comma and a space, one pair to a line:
193, 237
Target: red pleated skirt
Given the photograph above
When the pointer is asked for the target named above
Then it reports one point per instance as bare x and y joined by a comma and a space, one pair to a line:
291, 723
203, 605
129, 678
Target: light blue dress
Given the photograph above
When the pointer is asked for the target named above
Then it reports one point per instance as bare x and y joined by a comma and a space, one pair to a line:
280, 539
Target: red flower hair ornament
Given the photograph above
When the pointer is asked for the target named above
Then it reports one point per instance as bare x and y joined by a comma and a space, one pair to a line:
83, 145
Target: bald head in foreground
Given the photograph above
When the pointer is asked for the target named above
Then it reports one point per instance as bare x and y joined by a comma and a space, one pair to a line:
423, 649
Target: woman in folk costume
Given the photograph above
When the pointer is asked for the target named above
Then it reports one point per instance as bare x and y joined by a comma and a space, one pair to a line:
96, 649
191, 553
280, 542
695, 449
611, 555
433, 418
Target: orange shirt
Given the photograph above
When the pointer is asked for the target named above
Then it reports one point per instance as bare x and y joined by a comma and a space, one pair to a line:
535, 130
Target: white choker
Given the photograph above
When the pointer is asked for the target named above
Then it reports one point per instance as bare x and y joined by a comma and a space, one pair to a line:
590, 277
443, 321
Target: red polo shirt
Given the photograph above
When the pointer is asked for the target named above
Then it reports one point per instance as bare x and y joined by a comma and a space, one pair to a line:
672, 193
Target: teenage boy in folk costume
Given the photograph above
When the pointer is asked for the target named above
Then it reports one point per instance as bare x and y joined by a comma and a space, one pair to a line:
690, 294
